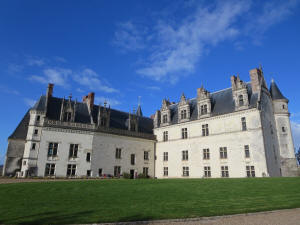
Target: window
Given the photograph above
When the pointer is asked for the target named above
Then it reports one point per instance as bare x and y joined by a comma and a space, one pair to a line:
165, 118
247, 152
73, 150
165, 135
224, 171
244, 125
50, 169
283, 106
166, 156
185, 155
241, 100
146, 155
250, 171
88, 173
67, 116
33, 146
183, 114
166, 171
52, 149
100, 172
207, 172
283, 129
223, 153
36, 131
103, 121
38, 118
71, 171
205, 131
24, 163
145, 171
185, 171
88, 157
132, 159
184, 134
206, 153
117, 171
118, 153
203, 109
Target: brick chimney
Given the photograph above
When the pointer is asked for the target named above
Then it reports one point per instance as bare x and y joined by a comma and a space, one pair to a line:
49, 90
89, 99
257, 79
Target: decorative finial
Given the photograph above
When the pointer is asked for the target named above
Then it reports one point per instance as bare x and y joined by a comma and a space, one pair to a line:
139, 101
272, 80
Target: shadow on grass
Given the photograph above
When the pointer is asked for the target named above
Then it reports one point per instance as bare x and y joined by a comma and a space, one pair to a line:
48, 218
140, 219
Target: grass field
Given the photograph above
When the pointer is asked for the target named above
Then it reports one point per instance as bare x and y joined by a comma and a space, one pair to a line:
128, 200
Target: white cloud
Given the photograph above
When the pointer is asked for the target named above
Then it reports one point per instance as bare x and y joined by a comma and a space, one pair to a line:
35, 61
29, 102
91, 79
60, 59
110, 101
296, 133
129, 37
58, 76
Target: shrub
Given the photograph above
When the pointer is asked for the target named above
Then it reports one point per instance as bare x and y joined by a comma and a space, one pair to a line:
126, 175
142, 176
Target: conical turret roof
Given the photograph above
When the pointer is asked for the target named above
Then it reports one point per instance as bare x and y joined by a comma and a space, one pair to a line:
139, 111
275, 92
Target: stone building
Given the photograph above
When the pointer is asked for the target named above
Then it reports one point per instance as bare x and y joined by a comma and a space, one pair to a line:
241, 131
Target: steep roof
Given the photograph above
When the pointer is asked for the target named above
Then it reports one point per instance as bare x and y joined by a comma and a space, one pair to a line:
275, 92
21, 131
222, 102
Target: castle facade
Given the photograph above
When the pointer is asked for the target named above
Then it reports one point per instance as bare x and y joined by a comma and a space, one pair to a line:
241, 131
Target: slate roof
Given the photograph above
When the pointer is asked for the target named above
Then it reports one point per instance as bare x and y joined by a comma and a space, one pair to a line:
275, 92
21, 131
221, 103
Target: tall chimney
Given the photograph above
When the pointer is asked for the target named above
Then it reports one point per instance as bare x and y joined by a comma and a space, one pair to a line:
257, 79
49, 90
89, 100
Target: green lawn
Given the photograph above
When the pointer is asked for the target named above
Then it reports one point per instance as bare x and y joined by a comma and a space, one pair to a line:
127, 200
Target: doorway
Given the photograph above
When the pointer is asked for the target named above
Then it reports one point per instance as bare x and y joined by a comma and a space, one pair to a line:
131, 174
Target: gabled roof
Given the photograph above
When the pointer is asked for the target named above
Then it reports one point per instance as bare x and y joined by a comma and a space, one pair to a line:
222, 102
275, 92
21, 131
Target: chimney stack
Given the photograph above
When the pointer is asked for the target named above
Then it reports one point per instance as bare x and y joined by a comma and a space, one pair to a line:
49, 90
257, 79
89, 99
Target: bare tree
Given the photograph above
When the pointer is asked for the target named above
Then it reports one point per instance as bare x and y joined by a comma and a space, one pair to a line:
298, 156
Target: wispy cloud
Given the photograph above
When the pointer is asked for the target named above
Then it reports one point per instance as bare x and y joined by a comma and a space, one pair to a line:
176, 46
153, 88
58, 76
91, 80
8, 90
296, 133
60, 59
29, 102
109, 101
35, 61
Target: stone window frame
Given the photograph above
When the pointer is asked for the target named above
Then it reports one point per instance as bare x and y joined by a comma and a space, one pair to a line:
185, 171
165, 118
50, 169
185, 155
206, 154
35, 132
205, 130
247, 151
283, 129
52, 152
203, 109
184, 133
241, 100
244, 123
132, 159
117, 171
165, 136
118, 153
183, 114
88, 173
165, 156
73, 150
207, 171
223, 153
88, 157
67, 117
166, 171
33, 146
250, 171
71, 170
146, 171
146, 155
224, 171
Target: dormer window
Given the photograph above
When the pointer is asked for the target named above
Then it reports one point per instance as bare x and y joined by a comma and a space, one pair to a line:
183, 114
67, 116
38, 118
241, 100
165, 118
103, 121
203, 109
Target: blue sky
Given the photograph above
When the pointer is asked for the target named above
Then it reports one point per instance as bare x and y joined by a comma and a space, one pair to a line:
153, 49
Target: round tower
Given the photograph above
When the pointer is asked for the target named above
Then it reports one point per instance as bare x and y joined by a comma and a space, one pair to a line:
284, 133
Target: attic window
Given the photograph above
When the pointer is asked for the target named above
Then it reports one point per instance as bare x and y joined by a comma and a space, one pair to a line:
203, 109
241, 100
165, 118
67, 116
183, 114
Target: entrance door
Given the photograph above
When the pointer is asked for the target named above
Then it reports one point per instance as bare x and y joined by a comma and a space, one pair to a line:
131, 174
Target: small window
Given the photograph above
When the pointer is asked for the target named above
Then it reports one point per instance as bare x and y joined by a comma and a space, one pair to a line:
117, 171
165, 134
205, 131
224, 171
250, 171
165, 118
71, 170
184, 133
207, 172
247, 151
166, 172
185, 171
118, 153
223, 152
241, 100
33, 146
52, 149
50, 169
88, 173
283, 129
132, 159
185, 155
145, 171
203, 109
206, 153
100, 172
38, 118
183, 114
73, 151
67, 116
283, 106
166, 157
36, 131
88, 157
146, 155
244, 124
